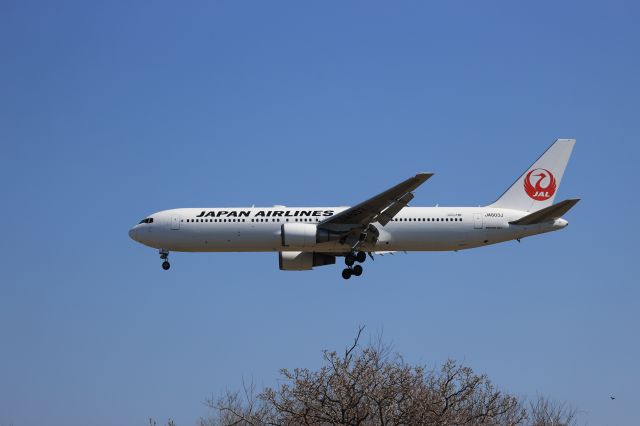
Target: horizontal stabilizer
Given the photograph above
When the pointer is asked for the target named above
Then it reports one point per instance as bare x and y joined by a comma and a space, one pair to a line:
547, 214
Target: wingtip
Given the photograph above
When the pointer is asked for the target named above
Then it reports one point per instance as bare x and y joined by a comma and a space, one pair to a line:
424, 175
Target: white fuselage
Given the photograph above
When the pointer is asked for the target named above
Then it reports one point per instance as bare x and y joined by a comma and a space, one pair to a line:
259, 229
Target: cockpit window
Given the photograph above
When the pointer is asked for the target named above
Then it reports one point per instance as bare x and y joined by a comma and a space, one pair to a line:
147, 220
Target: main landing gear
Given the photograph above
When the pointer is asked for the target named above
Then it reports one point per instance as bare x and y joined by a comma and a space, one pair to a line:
164, 255
349, 260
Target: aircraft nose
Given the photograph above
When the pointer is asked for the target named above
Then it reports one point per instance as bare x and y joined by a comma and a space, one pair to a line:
133, 233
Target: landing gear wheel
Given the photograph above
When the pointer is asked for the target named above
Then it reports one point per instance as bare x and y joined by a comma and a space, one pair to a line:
346, 273
349, 259
357, 270
166, 265
361, 256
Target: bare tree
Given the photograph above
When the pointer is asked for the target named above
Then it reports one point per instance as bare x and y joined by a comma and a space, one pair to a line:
371, 386
543, 412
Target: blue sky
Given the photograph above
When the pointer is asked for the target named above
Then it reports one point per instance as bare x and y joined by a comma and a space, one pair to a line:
112, 111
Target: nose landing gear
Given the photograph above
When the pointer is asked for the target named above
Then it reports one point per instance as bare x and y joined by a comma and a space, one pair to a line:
164, 255
349, 260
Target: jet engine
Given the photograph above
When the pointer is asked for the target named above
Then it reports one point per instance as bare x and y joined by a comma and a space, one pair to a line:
303, 260
305, 235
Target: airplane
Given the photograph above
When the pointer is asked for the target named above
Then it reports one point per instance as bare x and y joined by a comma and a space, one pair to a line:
308, 237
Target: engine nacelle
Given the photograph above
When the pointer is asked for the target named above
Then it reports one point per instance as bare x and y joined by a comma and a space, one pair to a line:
305, 235
303, 260
298, 235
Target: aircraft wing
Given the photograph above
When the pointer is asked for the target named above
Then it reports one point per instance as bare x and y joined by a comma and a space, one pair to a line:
380, 208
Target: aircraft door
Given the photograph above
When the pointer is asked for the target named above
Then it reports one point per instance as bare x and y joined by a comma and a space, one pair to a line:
175, 222
477, 221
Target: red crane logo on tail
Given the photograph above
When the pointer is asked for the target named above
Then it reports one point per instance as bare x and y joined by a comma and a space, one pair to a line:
540, 184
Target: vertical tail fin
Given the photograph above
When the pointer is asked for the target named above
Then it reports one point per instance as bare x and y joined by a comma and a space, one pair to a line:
538, 185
